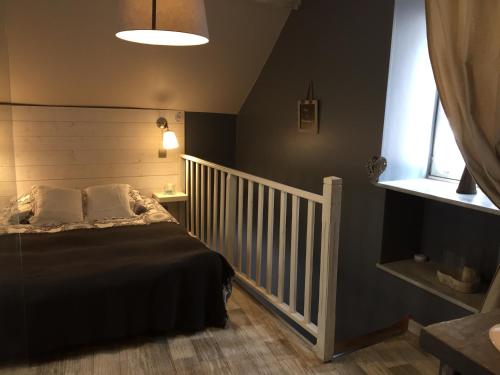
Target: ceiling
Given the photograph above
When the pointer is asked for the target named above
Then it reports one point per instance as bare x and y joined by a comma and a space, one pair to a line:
65, 53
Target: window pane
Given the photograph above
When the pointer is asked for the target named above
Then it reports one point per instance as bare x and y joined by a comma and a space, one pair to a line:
447, 161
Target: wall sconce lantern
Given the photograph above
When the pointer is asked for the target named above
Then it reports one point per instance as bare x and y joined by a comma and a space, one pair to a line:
163, 22
169, 139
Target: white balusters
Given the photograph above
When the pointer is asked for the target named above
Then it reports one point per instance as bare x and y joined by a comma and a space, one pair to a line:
222, 204
230, 217
209, 207
260, 213
202, 204
311, 212
186, 175
249, 228
215, 213
214, 223
240, 223
282, 244
197, 200
294, 252
270, 245
191, 196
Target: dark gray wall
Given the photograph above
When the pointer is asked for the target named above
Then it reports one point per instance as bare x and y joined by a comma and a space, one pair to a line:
211, 136
344, 47
470, 234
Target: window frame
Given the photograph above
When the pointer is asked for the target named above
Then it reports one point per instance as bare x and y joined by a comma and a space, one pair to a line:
429, 174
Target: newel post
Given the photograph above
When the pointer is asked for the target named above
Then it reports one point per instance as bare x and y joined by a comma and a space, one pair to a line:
332, 195
230, 218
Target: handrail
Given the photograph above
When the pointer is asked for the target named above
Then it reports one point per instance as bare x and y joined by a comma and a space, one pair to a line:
263, 181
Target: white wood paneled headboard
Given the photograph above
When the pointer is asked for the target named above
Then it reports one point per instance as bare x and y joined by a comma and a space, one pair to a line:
7, 165
78, 147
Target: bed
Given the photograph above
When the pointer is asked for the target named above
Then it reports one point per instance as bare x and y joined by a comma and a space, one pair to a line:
104, 286
89, 284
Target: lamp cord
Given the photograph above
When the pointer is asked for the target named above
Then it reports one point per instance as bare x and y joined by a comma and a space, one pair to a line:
153, 15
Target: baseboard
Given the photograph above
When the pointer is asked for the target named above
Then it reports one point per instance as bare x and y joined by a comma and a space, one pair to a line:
348, 346
414, 327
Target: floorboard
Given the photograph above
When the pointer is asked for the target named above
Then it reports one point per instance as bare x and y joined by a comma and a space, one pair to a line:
254, 342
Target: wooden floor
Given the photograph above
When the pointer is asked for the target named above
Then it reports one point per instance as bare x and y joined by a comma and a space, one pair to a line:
255, 342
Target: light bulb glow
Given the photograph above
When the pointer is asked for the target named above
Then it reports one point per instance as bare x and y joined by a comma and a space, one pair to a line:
170, 141
162, 37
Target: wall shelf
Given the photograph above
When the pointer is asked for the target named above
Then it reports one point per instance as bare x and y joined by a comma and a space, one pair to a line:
163, 197
443, 192
423, 275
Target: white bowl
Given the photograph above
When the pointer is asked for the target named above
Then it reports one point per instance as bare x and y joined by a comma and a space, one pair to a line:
495, 336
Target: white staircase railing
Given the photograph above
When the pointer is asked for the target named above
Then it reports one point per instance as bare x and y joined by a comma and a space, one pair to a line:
215, 213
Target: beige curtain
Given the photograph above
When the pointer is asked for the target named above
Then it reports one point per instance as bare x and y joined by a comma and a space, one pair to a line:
464, 45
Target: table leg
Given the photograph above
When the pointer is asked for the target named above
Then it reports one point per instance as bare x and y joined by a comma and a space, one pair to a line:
181, 209
177, 210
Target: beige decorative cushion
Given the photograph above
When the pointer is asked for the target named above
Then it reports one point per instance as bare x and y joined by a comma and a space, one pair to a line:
108, 202
55, 206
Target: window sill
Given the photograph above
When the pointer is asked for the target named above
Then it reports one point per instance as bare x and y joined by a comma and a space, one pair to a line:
443, 192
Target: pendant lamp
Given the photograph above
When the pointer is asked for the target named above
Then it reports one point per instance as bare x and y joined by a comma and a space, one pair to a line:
163, 22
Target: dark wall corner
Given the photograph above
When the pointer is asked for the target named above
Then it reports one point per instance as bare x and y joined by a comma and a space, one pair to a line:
211, 136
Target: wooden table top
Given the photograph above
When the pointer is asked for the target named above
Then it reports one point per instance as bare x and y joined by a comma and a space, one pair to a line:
464, 344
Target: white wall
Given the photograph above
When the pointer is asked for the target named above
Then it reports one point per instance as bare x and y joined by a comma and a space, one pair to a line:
78, 147
7, 165
4, 58
7, 169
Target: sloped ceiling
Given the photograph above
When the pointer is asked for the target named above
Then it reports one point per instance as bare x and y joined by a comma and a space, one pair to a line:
64, 52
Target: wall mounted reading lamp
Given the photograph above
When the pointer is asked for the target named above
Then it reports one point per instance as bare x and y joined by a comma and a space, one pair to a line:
169, 140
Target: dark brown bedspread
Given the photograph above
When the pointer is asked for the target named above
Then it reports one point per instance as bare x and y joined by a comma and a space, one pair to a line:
88, 286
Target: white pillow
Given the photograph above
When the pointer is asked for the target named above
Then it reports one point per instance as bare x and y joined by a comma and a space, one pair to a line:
108, 202
54, 206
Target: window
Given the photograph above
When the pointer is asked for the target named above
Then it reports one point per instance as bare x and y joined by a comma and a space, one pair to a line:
447, 161
417, 140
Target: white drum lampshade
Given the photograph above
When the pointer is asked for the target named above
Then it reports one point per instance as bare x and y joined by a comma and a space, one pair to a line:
163, 22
